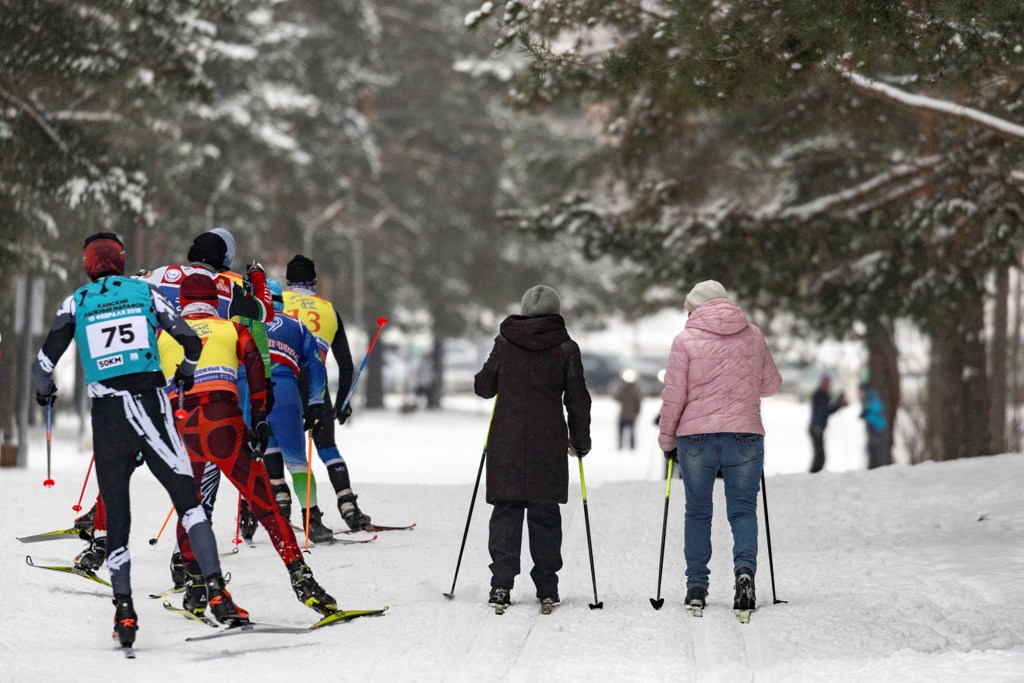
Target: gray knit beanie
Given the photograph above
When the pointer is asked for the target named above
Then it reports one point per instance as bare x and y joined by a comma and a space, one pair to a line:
540, 300
704, 292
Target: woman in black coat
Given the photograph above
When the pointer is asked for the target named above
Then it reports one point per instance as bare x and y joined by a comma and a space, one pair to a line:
534, 368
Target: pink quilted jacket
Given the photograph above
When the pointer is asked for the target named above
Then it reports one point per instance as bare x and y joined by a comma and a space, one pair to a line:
718, 370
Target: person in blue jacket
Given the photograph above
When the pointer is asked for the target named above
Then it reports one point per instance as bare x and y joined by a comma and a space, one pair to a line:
293, 351
873, 414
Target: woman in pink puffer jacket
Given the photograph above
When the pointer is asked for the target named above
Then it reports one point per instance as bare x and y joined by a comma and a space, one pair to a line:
718, 370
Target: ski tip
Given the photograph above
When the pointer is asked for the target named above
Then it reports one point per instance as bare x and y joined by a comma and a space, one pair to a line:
656, 604
28, 561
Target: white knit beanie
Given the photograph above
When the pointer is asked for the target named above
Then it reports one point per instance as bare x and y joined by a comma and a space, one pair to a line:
540, 300
229, 241
704, 292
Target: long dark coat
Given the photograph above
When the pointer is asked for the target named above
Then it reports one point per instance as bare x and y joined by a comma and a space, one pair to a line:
534, 368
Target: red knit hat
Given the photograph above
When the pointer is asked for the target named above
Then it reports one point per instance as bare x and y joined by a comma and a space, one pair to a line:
103, 254
196, 288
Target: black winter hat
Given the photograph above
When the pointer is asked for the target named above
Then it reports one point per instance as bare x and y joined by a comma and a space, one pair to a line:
300, 269
209, 248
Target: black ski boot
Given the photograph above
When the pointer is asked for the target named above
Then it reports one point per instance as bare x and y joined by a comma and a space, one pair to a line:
247, 523
283, 496
350, 512
126, 623
195, 592
318, 533
549, 603
178, 574
744, 599
308, 591
85, 521
223, 605
92, 558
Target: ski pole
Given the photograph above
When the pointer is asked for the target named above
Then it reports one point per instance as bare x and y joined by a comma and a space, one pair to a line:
180, 413
656, 603
590, 546
160, 533
237, 540
472, 502
381, 322
768, 534
77, 507
48, 482
309, 478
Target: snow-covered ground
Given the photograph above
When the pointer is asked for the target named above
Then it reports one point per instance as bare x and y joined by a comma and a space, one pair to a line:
898, 574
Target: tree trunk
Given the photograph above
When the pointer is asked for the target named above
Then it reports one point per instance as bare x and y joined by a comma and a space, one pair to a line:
998, 358
1016, 395
958, 399
437, 360
885, 375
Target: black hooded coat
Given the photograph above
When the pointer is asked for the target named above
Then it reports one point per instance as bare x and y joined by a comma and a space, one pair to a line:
534, 368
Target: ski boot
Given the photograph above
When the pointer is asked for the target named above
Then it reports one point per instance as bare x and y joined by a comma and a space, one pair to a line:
283, 496
696, 600
222, 605
126, 622
500, 598
195, 599
178, 574
308, 591
318, 533
85, 521
744, 602
91, 559
350, 512
247, 523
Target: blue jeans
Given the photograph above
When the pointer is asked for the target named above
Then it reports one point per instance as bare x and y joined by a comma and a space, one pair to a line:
741, 460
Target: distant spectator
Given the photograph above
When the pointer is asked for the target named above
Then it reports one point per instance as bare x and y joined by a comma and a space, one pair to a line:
873, 414
822, 407
629, 399
424, 381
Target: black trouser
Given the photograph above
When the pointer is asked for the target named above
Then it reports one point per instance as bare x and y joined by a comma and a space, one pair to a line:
544, 522
877, 449
818, 441
627, 426
125, 424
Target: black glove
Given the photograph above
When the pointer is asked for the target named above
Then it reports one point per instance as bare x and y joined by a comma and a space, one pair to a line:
259, 435
312, 416
578, 452
185, 381
343, 413
254, 267
268, 402
671, 455
45, 398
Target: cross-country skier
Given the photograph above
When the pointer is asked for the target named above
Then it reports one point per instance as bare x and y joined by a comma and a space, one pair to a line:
114, 321
213, 431
293, 349
719, 368
534, 368
323, 320
212, 254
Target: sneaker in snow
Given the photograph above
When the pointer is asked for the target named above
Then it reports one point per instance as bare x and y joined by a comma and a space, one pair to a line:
697, 596
500, 596
744, 599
